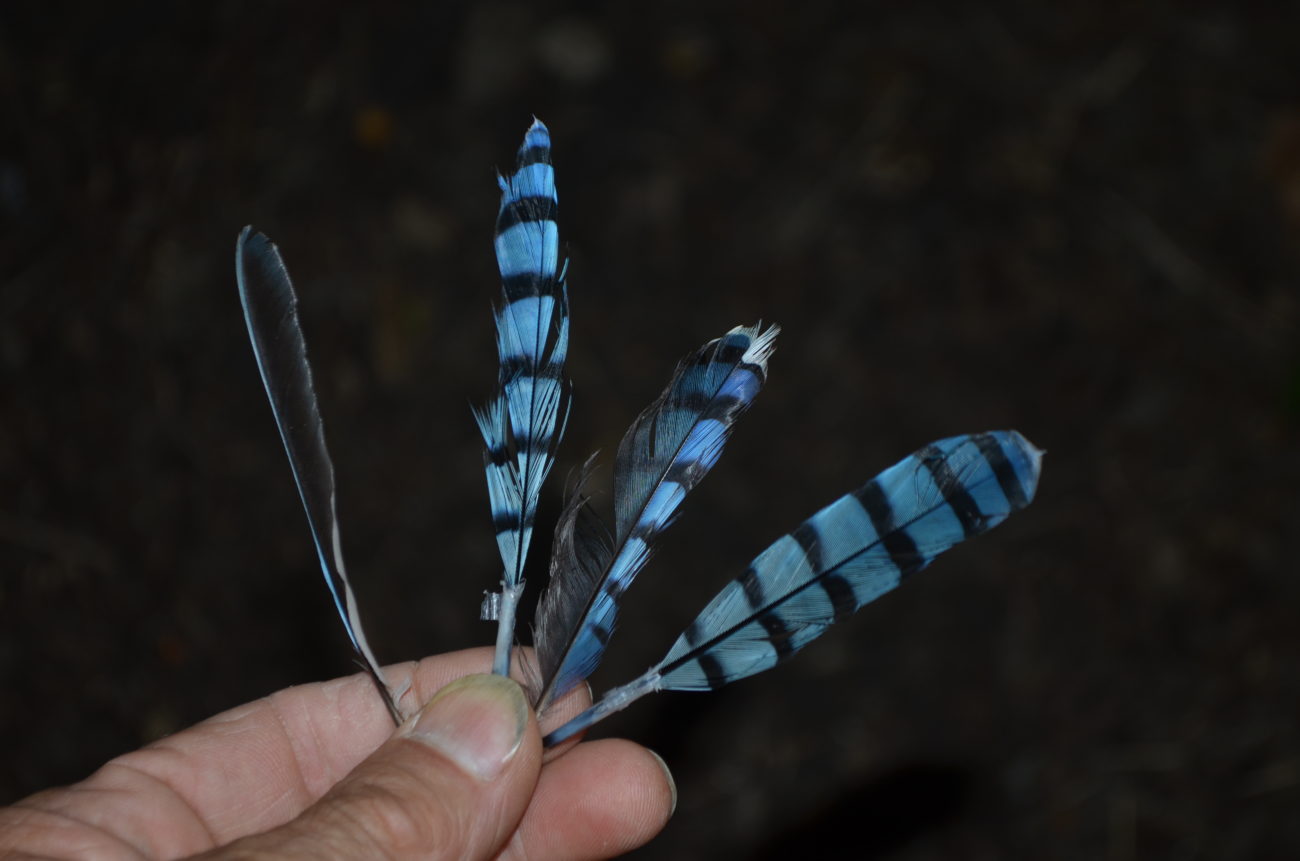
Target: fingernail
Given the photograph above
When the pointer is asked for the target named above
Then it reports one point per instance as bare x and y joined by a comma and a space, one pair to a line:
672, 784
477, 722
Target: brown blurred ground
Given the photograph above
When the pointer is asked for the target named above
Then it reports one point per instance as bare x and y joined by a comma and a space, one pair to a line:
1079, 220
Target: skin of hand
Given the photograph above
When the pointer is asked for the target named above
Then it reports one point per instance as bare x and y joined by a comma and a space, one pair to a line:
317, 771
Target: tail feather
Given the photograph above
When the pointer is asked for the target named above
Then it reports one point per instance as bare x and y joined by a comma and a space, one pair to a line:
522, 425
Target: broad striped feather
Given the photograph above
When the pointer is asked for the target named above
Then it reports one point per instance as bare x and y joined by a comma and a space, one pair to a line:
843, 557
271, 315
667, 451
852, 552
522, 425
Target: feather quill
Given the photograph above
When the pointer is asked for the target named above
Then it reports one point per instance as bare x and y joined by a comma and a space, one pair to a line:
271, 314
667, 451
519, 426
843, 557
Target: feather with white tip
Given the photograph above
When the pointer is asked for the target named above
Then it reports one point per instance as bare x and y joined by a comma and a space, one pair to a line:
667, 451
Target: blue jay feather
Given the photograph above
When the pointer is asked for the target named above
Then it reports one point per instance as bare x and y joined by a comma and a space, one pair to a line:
667, 451
522, 425
271, 315
843, 557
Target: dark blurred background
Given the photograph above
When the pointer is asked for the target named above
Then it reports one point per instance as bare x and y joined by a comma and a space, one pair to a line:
1078, 219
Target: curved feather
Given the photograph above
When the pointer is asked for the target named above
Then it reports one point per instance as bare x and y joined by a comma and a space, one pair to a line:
840, 559
667, 451
519, 426
271, 314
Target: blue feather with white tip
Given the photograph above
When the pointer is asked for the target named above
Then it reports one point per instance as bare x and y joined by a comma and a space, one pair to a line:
668, 450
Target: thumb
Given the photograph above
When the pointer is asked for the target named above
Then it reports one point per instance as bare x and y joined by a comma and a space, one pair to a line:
451, 783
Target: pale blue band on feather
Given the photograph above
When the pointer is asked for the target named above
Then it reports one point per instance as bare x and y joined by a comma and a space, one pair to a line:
529, 248
519, 325
534, 180
703, 446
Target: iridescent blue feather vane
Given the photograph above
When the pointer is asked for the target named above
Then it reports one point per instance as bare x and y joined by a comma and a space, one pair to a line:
523, 424
843, 557
668, 450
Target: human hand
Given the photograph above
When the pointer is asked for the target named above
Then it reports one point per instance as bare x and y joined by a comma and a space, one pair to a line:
317, 771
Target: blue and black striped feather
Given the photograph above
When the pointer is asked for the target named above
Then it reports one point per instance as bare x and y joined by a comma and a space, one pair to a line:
522, 425
843, 557
271, 315
667, 451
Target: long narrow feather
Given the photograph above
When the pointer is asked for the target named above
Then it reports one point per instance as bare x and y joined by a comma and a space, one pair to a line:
843, 557
271, 314
668, 450
519, 426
